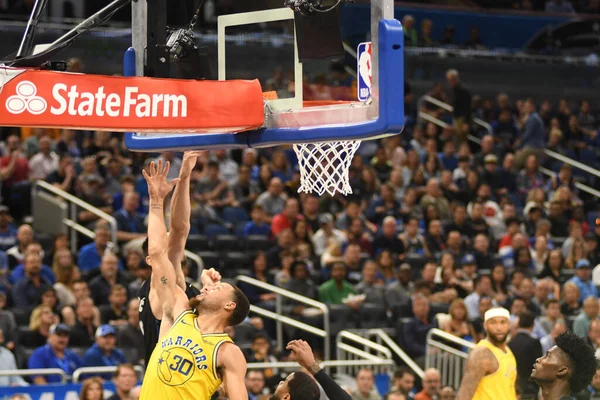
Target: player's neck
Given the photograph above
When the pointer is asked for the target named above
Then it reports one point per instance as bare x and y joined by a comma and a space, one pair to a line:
501, 346
555, 390
211, 323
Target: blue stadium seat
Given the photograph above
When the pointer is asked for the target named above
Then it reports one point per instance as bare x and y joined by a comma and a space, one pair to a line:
235, 215
227, 243
258, 243
212, 230
197, 243
233, 261
210, 259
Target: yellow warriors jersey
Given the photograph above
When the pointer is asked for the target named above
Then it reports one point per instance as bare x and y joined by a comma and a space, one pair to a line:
500, 384
183, 364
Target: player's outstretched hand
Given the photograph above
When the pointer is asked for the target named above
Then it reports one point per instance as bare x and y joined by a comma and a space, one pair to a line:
156, 177
302, 353
189, 161
209, 277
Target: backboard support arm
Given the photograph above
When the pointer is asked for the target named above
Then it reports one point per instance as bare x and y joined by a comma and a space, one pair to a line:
149, 38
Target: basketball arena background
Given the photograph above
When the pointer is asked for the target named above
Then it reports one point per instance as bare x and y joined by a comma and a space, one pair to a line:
488, 196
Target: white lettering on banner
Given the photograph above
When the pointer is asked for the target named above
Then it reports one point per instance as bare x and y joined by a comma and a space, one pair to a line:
69, 100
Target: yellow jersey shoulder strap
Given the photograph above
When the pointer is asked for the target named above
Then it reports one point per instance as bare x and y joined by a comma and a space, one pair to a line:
219, 339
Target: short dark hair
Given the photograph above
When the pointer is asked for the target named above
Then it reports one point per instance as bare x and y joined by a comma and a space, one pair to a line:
582, 358
481, 277
512, 220
242, 307
303, 387
526, 319
551, 301
260, 336
401, 371
419, 285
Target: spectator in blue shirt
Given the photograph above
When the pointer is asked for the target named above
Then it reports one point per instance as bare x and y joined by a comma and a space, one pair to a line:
8, 233
532, 137
90, 255
54, 354
127, 185
19, 272
28, 291
130, 223
448, 156
257, 226
583, 279
103, 353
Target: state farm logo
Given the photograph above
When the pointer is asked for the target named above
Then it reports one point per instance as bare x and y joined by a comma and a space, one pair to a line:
26, 99
71, 100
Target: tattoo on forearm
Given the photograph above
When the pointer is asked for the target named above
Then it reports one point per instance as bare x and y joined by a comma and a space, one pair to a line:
163, 280
156, 206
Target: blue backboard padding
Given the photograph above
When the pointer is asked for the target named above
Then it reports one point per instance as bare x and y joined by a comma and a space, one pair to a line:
389, 122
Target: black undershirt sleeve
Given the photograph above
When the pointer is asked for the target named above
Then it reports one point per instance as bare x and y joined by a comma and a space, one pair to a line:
332, 389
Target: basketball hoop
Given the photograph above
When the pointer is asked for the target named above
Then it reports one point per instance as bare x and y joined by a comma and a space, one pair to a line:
324, 166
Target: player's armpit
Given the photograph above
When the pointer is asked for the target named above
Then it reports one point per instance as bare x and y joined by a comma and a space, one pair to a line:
172, 298
479, 364
232, 362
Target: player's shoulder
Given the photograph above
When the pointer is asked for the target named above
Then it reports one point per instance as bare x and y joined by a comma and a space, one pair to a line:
230, 354
481, 354
483, 359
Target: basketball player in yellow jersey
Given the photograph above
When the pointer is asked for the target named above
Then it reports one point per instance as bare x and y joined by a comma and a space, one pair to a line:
491, 371
193, 356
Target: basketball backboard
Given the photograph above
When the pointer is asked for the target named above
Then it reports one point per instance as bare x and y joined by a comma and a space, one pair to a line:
289, 118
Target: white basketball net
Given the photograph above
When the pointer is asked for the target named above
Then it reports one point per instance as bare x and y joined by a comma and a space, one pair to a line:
324, 166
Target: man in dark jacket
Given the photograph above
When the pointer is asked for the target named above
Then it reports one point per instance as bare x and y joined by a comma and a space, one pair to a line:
526, 350
461, 102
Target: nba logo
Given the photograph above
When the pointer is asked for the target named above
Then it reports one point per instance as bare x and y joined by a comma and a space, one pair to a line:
364, 71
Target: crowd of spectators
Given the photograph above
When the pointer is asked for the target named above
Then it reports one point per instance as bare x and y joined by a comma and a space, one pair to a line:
436, 232
422, 36
547, 6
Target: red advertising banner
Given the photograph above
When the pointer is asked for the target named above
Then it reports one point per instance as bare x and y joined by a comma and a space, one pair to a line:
35, 98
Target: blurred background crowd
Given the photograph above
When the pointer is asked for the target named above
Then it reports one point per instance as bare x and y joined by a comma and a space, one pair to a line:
463, 211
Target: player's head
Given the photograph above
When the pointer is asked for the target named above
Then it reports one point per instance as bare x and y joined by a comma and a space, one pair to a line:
225, 298
184, 261
572, 360
497, 325
297, 386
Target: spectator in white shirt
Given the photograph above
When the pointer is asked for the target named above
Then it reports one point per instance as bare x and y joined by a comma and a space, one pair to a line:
227, 167
273, 200
8, 363
321, 239
44, 162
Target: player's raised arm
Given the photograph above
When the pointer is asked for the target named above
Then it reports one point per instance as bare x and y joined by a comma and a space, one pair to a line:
479, 364
181, 214
233, 364
172, 298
